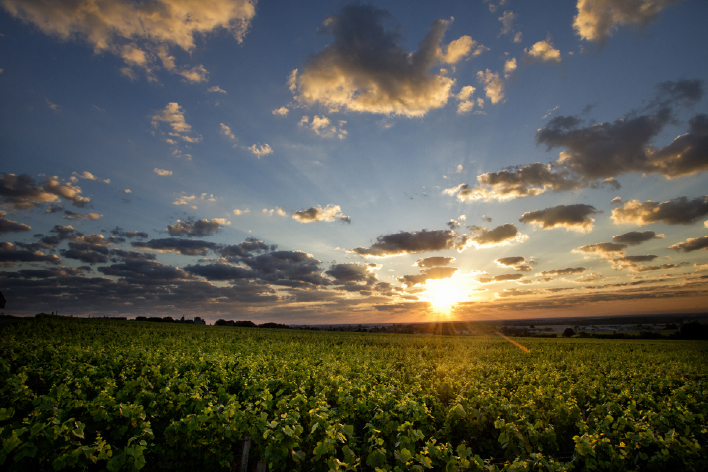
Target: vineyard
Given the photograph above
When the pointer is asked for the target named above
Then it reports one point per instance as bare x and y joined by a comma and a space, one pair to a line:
115, 395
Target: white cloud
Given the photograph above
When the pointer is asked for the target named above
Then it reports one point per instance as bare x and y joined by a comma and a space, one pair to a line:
493, 85
329, 214
323, 127
127, 191
173, 115
282, 111
226, 131
216, 89
140, 33
543, 51
184, 199
509, 67
241, 212
277, 210
465, 98
260, 151
162, 172
598, 19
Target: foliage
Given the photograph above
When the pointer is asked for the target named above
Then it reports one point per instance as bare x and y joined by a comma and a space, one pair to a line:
97, 394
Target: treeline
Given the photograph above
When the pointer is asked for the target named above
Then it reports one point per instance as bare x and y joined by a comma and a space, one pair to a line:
250, 324
687, 331
164, 319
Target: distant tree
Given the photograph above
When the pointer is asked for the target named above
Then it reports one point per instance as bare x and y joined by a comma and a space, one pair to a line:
693, 330
568, 332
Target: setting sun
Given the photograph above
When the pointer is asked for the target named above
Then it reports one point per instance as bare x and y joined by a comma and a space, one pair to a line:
444, 295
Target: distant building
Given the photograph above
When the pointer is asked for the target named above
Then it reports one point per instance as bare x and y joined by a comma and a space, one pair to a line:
198, 320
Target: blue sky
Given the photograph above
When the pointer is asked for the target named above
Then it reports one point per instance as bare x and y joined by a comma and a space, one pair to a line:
350, 162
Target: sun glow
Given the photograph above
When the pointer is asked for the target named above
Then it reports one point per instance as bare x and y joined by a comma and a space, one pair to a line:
444, 294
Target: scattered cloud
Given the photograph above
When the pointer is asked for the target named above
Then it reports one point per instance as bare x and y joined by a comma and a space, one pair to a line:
10, 254
509, 67
226, 131
9, 226
241, 212
598, 19
427, 274
350, 273
197, 228
21, 192
499, 278
216, 89
140, 33
260, 150
691, 244
329, 214
543, 51
173, 115
602, 248
277, 210
72, 215
566, 271
366, 70
499, 236
570, 217
493, 85
413, 243
517, 262
187, 247
466, 103
434, 261
635, 237
679, 211
162, 172
323, 127
185, 200
282, 111
507, 19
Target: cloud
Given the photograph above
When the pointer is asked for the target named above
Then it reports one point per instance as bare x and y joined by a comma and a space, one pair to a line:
366, 70
245, 249
144, 271
323, 127
10, 254
507, 19
598, 19
434, 261
635, 237
606, 150
184, 200
509, 67
570, 217
216, 89
241, 212
499, 278
465, 98
493, 85
282, 111
226, 131
72, 215
679, 211
428, 274
197, 228
566, 271
187, 247
412, 243
518, 181
260, 151
88, 176
9, 226
140, 33
277, 210
543, 51
23, 193
352, 273
329, 214
602, 248
691, 244
499, 236
517, 262
118, 231
173, 115
162, 172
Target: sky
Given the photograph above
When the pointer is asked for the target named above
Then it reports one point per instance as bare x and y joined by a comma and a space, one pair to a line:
335, 162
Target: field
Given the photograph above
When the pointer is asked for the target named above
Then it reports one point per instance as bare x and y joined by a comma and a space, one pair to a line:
110, 395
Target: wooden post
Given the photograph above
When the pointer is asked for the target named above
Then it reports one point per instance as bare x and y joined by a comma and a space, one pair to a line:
244, 454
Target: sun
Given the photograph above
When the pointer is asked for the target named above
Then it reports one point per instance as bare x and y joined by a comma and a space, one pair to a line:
444, 295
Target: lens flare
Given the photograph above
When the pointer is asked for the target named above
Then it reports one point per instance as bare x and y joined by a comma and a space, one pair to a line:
444, 295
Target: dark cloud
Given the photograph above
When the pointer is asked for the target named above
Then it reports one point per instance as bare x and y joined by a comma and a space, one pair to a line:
53, 209
41, 273
72, 215
245, 248
635, 237
431, 273
687, 154
10, 254
514, 292
566, 271
117, 254
517, 181
659, 267
187, 247
517, 262
140, 271
353, 273
679, 211
691, 244
434, 261
602, 248
329, 214
63, 231
501, 235
284, 267
499, 278
9, 226
118, 231
88, 253
413, 243
197, 228
221, 271
571, 217
366, 70
22, 192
